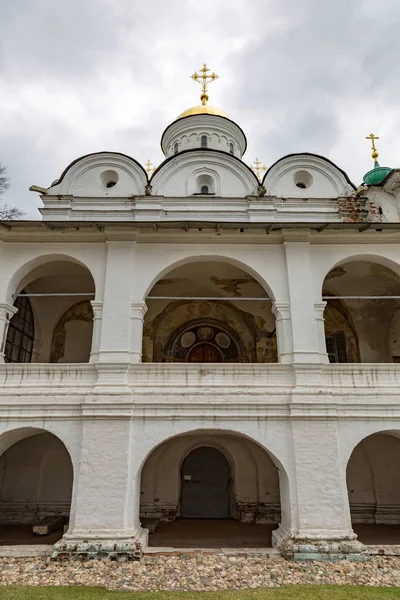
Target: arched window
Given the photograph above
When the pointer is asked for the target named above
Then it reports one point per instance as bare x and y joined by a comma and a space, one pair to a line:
21, 333
204, 184
203, 141
231, 148
176, 148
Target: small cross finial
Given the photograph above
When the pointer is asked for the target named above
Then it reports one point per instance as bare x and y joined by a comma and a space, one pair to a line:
258, 168
204, 79
150, 168
375, 153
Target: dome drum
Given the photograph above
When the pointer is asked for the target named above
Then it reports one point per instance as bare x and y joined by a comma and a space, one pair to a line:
203, 131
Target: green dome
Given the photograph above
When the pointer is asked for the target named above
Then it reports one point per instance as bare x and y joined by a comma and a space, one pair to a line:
376, 175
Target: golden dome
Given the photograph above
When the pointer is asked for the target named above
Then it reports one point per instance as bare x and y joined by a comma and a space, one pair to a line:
203, 109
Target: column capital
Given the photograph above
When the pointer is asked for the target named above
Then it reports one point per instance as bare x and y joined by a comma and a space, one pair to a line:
320, 306
7, 310
281, 310
97, 309
138, 310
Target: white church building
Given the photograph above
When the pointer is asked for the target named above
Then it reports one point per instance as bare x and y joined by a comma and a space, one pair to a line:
203, 342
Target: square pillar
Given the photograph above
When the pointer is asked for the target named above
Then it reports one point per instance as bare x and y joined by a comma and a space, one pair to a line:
138, 312
102, 524
284, 338
322, 525
305, 312
115, 334
96, 336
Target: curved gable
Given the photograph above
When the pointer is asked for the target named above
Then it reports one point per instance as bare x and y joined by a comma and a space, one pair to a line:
93, 174
185, 173
306, 176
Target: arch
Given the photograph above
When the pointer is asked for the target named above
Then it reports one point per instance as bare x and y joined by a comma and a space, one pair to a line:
373, 483
232, 322
372, 430
206, 258
85, 176
16, 282
204, 176
317, 158
248, 460
364, 320
239, 349
366, 256
13, 436
209, 156
213, 432
37, 478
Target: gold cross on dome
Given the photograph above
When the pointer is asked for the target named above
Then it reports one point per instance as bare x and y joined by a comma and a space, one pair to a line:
373, 137
150, 168
204, 79
258, 168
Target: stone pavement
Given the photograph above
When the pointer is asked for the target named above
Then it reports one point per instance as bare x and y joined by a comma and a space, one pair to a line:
198, 571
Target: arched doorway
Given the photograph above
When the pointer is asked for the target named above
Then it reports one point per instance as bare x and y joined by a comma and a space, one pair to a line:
204, 353
211, 488
373, 484
36, 477
205, 485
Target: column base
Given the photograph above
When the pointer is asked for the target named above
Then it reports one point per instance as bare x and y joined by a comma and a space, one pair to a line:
319, 545
101, 545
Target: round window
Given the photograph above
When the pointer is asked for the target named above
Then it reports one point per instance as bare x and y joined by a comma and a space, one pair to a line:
109, 178
303, 179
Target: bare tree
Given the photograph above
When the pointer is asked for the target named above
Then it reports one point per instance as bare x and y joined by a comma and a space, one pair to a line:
7, 212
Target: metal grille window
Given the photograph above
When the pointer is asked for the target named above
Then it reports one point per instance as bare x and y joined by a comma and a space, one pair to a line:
336, 347
21, 333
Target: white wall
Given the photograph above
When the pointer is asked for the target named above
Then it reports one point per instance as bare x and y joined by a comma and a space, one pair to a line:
35, 480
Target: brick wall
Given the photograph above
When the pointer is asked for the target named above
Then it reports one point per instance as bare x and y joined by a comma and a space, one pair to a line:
358, 210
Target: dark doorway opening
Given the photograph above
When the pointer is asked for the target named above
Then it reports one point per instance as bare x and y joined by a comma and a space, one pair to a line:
205, 353
205, 485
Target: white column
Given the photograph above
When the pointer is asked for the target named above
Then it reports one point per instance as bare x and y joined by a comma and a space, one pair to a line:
7, 311
96, 335
302, 297
102, 523
283, 324
115, 330
322, 524
319, 308
138, 312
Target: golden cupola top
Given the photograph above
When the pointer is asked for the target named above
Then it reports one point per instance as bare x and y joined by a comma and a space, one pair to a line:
204, 77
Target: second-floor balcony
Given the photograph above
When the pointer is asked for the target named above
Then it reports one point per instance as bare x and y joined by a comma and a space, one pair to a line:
266, 388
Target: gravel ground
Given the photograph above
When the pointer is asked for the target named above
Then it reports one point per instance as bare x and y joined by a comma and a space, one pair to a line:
196, 572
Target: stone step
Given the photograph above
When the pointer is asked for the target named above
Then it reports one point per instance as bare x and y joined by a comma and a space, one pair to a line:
49, 524
150, 524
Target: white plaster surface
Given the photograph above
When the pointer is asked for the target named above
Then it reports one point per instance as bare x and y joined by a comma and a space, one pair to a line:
292, 430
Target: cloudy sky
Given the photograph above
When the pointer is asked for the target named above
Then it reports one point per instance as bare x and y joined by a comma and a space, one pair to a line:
81, 76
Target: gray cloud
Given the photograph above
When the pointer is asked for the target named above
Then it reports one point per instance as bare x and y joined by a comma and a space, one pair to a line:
88, 75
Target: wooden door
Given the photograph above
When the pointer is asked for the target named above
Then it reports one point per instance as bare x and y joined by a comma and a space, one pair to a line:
206, 485
204, 353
